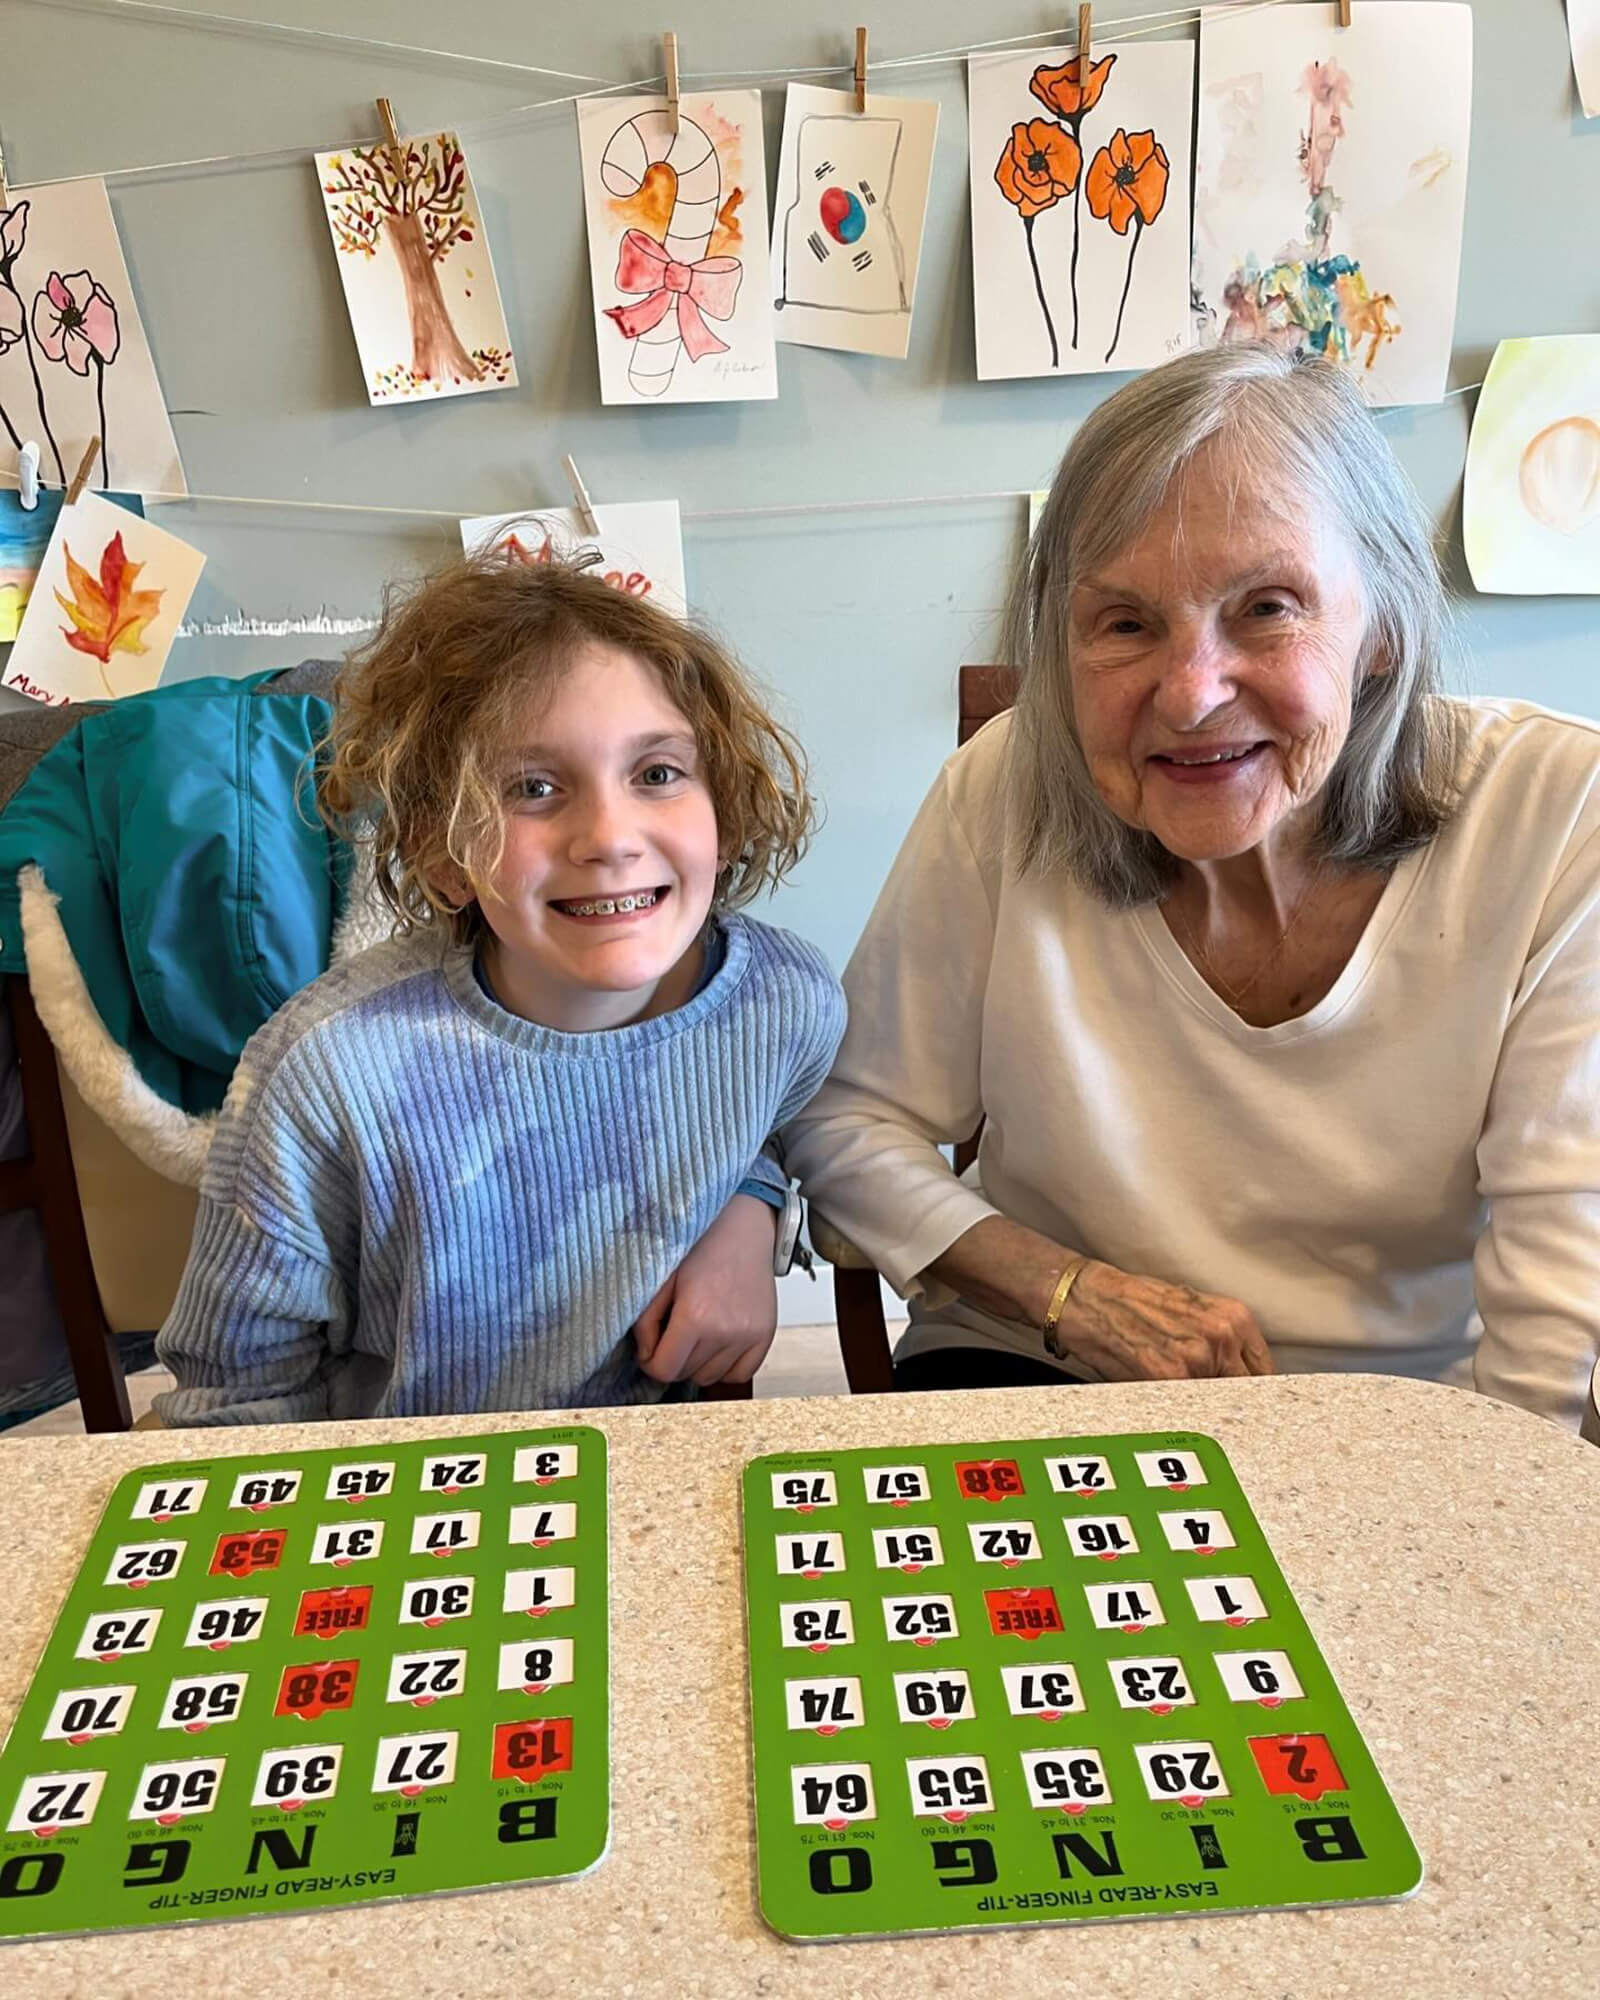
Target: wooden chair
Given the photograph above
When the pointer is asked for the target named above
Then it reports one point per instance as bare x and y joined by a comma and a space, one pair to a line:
44, 1179
983, 693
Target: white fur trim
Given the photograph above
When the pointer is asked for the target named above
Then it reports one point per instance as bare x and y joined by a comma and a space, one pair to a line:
366, 918
168, 1140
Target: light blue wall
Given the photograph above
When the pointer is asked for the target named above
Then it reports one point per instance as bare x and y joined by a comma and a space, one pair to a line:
859, 620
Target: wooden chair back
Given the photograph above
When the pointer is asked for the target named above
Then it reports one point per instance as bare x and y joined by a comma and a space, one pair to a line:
982, 694
44, 1179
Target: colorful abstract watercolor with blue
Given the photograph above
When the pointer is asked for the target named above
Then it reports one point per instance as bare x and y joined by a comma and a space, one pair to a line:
24, 537
1330, 192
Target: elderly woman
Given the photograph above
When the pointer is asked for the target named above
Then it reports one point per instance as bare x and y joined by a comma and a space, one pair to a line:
1271, 972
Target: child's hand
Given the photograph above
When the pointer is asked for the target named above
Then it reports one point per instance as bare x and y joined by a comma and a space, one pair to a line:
714, 1318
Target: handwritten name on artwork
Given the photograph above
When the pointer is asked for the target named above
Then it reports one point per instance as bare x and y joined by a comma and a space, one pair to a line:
23, 685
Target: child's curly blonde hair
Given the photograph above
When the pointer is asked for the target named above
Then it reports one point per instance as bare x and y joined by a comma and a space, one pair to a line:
425, 710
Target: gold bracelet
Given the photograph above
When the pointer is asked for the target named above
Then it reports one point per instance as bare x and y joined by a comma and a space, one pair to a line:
1058, 1299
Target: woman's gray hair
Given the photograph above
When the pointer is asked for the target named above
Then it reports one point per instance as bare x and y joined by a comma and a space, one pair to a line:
1299, 425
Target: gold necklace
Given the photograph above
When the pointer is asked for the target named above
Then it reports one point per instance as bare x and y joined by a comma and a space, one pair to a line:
1235, 994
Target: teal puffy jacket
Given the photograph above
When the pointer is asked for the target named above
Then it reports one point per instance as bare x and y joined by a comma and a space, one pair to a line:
198, 888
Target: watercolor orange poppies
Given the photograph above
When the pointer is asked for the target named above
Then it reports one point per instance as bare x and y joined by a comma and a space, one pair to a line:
1039, 165
1042, 164
1062, 90
1127, 184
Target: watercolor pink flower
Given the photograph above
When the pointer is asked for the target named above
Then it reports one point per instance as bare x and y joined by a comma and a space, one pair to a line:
14, 320
13, 233
75, 322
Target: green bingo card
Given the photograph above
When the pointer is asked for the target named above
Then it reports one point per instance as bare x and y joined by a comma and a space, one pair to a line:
304, 1680
1041, 1681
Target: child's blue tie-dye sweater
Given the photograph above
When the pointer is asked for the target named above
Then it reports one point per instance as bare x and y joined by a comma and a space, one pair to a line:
417, 1202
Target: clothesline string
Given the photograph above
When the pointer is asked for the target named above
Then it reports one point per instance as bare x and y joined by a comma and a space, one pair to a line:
1128, 27
296, 31
790, 509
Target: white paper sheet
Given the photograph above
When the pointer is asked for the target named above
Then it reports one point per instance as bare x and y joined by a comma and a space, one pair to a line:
110, 595
75, 366
1531, 503
640, 544
1080, 226
1330, 184
415, 265
678, 248
847, 220
1583, 30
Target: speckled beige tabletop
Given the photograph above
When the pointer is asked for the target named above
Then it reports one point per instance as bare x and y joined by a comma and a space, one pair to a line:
1446, 1551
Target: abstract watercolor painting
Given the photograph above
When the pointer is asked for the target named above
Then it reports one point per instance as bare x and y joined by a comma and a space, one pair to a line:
24, 537
1070, 175
1330, 184
639, 546
417, 274
110, 595
75, 368
847, 220
1583, 28
678, 248
1531, 505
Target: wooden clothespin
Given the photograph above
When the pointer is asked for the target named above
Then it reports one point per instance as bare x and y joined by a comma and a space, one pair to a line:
580, 495
80, 478
669, 45
861, 72
1085, 41
1344, 13
391, 131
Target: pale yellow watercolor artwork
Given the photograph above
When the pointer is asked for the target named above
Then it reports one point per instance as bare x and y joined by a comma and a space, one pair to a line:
1531, 508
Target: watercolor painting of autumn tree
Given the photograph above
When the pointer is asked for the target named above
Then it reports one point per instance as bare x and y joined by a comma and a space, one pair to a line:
415, 201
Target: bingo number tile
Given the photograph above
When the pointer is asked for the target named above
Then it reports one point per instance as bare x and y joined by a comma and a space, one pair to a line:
1038, 1682
308, 1680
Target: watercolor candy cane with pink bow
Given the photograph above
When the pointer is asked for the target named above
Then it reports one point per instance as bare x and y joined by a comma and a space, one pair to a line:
675, 287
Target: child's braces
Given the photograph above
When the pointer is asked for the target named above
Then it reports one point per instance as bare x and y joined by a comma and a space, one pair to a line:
609, 906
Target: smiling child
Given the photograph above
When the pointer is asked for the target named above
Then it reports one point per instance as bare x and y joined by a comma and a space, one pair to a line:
513, 1159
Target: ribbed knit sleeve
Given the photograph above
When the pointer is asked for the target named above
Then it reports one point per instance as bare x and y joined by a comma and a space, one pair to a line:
254, 1331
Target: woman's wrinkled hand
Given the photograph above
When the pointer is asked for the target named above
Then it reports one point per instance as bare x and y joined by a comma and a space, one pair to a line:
1132, 1329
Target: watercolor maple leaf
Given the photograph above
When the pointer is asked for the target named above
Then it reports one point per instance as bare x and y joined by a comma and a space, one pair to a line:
108, 613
